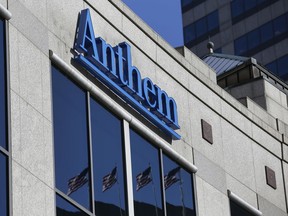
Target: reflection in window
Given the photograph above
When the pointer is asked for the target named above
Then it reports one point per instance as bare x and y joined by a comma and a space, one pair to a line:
202, 28
178, 189
266, 35
107, 162
70, 139
3, 185
237, 210
63, 208
3, 129
146, 177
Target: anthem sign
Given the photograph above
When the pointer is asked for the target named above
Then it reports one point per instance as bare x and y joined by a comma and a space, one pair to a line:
113, 66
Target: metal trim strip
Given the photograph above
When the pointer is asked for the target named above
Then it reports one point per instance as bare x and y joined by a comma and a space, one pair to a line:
244, 204
5, 13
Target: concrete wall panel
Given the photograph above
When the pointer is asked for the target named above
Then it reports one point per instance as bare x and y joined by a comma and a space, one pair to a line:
238, 155
211, 202
263, 158
31, 197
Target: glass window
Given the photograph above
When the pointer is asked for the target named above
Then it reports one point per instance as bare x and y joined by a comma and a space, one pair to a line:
178, 186
3, 185
237, 8
240, 45
189, 33
64, 208
146, 177
280, 25
213, 21
70, 139
249, 4
279, 67
185, 2
272, 66
237, 210
253, 39
266, 32
283, 66
3, 129
201, 27
107, 162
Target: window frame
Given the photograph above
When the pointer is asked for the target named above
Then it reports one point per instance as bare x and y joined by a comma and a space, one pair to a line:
5, 16
129, 122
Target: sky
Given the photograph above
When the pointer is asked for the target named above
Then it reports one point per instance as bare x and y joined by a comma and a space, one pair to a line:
164, 16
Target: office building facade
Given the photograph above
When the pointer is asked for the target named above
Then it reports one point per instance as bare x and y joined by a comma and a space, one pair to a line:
254, 28
100, 116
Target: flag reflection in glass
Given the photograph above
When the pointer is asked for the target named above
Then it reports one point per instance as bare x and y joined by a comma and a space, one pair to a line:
143, 178
109, 180
77, 181
171, 177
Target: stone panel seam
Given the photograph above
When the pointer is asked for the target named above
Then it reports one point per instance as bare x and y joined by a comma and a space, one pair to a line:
41, 114
20, 165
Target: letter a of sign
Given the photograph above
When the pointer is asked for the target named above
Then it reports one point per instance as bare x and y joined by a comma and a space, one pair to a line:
85, 40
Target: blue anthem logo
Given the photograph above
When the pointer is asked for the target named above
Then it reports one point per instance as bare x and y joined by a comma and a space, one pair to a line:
113, 66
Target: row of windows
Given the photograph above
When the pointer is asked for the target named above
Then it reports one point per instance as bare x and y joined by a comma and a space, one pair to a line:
280, 67
90, 166
260, 38
201, 29
188, 4
243, 8
4, 203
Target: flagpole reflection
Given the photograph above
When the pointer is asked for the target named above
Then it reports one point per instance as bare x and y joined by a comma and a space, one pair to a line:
182, 194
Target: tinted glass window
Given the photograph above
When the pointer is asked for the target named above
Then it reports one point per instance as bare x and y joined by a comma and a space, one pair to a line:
237, 8
70, 139
178, 189
107, 162
201, 27
237, 210
266, 32
260, 38
146, 177
249, 4
272, 66
189, 33
241, 9
279, 67
213, 21
283, 66
253, 39
186, 2
3, 130
280, 25
240, 45
3, 185
64, 208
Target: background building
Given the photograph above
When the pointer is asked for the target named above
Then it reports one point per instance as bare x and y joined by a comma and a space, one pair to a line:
91, 104
254, 28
